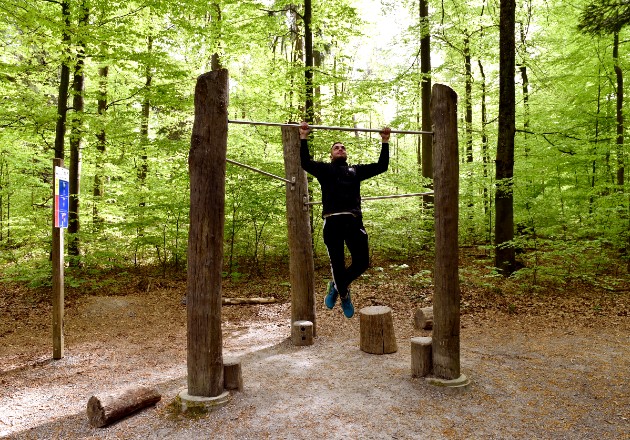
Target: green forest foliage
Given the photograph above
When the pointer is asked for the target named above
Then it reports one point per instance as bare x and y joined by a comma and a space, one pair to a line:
571, 211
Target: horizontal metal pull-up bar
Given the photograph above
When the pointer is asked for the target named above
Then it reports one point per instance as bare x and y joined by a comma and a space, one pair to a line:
326, 127
393, 196
259, 171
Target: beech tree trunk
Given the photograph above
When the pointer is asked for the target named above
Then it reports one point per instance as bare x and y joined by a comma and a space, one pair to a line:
64, 83
143, 168
205, 243
101, 144
425, 70
619, 76
76, 138
505, 259
469, 110
308, 61
445, 347
484, 140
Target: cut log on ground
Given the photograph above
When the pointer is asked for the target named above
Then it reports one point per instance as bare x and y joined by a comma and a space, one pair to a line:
377, 330
238, 301
108, 408
423, 318
421, 362
232, 376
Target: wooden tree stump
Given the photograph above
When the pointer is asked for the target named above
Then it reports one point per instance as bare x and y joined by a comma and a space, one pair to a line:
423, 318
377, 330
421, 361
302, 333
108, 408
232, 376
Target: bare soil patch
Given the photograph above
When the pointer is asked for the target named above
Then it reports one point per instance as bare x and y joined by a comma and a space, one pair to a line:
552, 364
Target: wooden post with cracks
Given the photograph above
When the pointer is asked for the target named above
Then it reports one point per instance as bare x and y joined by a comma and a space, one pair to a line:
446, 321
207, 163
301, 266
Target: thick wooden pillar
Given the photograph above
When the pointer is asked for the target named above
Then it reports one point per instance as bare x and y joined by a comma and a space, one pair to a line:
445, 351
301, 265
205, 242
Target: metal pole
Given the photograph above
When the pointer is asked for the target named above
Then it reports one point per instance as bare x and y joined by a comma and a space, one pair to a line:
394, 196
326, 127
258, 171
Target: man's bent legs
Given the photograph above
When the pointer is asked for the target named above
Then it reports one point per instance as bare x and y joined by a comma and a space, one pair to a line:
348, 230
334, 240
357, 242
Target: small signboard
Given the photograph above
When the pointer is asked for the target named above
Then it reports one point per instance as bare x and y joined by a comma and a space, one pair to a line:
62, 192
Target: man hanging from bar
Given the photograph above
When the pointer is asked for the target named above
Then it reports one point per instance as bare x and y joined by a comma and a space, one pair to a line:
343, 220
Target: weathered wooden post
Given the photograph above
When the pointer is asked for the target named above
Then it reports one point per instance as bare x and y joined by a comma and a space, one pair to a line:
207, 165
445, 345
301, 266
58, 277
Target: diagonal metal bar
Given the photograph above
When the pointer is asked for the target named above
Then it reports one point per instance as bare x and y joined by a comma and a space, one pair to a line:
393, 196
326, 127
233, 162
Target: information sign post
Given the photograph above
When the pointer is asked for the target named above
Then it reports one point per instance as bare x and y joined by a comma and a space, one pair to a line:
60, 221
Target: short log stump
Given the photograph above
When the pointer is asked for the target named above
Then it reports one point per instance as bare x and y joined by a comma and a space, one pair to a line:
377, 330
421, 356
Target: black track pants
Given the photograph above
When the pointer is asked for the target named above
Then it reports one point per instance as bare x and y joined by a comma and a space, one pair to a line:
346, 229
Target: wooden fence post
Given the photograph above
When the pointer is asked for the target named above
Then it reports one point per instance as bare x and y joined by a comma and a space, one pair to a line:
301, 266
207, 165
445, 351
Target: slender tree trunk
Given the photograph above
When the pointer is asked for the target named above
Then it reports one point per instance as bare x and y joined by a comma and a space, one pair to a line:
64, 83
591, 199
469, 110
4, 185
101, 143
146, 113
484, 139
619, 74
308, 61
525, 88
76, 139
425, 71
504, 198
318, 59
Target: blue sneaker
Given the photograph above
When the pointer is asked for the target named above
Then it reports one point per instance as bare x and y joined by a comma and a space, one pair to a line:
331, 295
346, 306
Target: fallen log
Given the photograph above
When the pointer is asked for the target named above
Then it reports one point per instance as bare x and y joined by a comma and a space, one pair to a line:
238, 301
108, 408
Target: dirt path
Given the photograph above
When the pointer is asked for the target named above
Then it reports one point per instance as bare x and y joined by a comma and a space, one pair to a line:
532, 377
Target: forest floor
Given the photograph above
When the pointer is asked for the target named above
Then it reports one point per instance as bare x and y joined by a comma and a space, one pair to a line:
551, 362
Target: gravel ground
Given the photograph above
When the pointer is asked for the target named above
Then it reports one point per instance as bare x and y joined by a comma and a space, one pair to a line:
530, 377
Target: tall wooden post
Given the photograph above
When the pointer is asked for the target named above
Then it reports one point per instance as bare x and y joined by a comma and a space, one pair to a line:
58, 279
445, 351
205, 243
299, 232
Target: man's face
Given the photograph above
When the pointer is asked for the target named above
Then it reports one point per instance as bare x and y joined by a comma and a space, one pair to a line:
338, 151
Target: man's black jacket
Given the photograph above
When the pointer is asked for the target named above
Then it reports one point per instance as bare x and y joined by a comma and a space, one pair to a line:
340, 182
